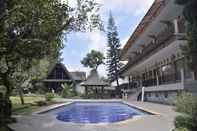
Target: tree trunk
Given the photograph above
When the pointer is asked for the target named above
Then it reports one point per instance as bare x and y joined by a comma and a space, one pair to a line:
8, 104
194, 66
118, 91
117, 82
195, 71
20, 91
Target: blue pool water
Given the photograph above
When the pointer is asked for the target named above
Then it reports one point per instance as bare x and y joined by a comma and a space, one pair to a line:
97, 112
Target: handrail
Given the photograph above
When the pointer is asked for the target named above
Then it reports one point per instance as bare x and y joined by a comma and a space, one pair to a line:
164, 79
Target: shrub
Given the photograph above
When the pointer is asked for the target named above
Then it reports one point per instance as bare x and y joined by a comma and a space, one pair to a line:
49, 96
187, 104
181, 129
41, 103
184, 122
67, 91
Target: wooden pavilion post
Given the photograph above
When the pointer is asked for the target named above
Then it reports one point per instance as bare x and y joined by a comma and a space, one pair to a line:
86, 90
102, 91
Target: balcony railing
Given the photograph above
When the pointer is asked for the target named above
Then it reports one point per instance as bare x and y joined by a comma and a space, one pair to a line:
162, 40
162, 80
162, 37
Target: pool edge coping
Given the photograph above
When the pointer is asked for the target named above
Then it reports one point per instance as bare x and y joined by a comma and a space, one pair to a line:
135, 118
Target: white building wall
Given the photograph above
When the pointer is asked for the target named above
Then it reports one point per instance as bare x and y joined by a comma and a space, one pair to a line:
80, 89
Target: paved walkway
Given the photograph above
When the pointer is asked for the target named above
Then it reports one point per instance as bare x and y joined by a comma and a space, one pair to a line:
162, 122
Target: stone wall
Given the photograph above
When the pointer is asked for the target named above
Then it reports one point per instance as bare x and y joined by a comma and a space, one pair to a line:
164, 97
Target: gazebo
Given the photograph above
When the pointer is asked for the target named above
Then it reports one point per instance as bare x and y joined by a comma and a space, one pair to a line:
95, 83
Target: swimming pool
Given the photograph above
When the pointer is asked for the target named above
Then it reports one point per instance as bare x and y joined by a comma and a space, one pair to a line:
98, 112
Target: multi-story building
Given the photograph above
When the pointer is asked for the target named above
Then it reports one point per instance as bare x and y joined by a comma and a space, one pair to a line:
155, 56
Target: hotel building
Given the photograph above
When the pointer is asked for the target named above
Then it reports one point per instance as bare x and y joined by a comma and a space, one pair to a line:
155, 56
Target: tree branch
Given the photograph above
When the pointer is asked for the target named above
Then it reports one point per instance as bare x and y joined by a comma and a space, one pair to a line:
8, 12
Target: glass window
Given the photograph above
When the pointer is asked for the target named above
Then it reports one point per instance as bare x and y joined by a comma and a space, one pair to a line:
156, 94
178, 66
149, 94
187, 70
167, 69
166, 94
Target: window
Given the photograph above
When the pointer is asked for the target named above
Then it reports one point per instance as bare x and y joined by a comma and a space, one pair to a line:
167, 69
149, 94
166, 94
157, 94
58, 73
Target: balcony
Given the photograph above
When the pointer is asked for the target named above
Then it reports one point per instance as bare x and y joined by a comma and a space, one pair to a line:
163, 39
163, 80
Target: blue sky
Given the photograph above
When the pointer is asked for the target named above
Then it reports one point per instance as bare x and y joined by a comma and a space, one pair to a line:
127, 15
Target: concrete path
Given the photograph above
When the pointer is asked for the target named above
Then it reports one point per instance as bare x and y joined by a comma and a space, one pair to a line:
162, 122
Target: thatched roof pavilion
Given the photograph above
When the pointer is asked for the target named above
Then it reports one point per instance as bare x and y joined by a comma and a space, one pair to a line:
95, 82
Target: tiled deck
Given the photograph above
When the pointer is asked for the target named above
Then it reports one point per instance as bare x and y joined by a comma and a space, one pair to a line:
162, 122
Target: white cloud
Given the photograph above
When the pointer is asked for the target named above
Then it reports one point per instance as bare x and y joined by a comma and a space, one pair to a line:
126, 6
97, 40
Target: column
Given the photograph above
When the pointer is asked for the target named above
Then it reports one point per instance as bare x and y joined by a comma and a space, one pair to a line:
157, 78
102, 90
86, 90
182, 76
129, 84
153, 77
176, 27
142, 99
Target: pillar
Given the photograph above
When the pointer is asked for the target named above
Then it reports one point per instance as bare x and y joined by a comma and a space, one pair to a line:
129, 83
176, 27
142, 99
157, 78
102, 91
86, 91
182, 76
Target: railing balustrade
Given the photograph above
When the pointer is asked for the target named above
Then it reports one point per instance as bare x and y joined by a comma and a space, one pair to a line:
161, 38
164, 79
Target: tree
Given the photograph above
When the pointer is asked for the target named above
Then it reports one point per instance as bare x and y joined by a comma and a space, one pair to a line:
33, 30
113, 52
190, 15
93, 59
187, 105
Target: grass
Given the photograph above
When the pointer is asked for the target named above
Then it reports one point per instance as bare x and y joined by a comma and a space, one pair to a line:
28, 107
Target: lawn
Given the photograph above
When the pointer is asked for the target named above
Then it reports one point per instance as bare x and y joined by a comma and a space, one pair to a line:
29, 106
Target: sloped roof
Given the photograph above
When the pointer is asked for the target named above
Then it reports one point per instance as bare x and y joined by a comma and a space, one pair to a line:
78, 76
63, 67
94, 80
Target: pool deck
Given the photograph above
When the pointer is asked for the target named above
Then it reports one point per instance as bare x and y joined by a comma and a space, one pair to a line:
163, 121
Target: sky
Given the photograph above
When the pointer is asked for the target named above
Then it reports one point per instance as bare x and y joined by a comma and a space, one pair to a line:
127, 15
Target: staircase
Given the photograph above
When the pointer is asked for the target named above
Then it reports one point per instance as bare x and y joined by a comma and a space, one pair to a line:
134, 94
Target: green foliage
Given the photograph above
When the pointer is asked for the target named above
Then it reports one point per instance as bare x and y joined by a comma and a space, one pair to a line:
67, 91
180, 129
49, 96
187, 104
184, 122
31, 31
93, 59
42, 103
113, 52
